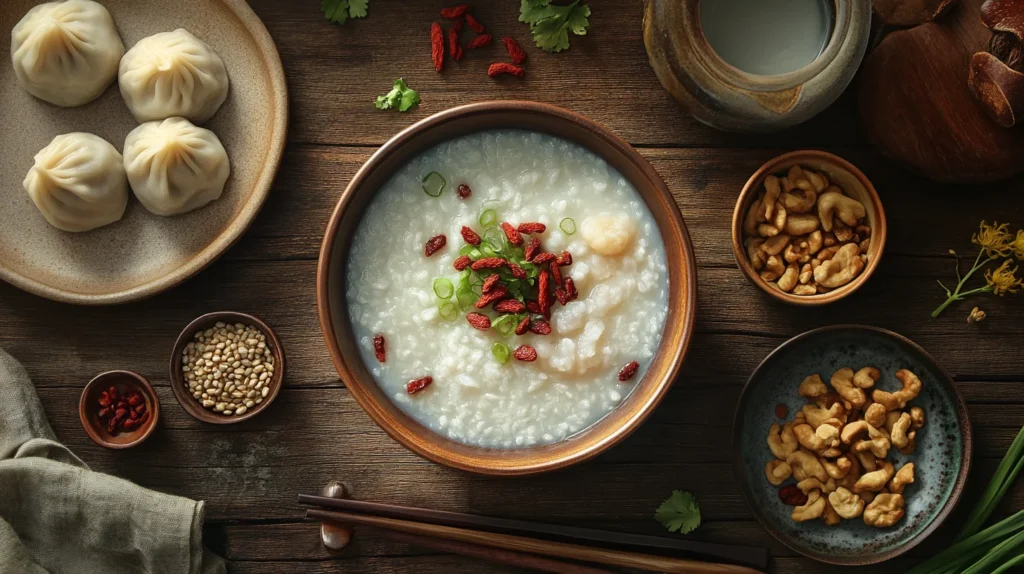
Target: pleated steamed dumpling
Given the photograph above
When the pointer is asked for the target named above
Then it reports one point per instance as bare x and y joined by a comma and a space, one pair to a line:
173, 74
66, 53
78, 182
174, 166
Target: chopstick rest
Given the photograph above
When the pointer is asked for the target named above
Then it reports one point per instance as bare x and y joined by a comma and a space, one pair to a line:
335, 537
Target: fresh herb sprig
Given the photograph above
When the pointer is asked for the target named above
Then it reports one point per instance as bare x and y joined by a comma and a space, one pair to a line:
339, 11
995, 242
401, 97
680, 513
550, 23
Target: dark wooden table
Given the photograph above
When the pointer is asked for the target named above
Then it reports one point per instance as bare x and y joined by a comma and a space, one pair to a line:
250, 473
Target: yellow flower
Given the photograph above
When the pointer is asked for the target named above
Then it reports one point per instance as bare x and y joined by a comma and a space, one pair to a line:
1017, 245
994, 239
1003, 280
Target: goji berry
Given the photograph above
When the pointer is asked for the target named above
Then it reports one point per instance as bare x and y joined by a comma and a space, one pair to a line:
781, 410
792, 495
104, 399
415, 386
561, 295
378, 348
473, 24
464, 191
498, 293
528, 228
543, 297
525, 353
533, 307
135, 399
556, 273
478, 321
514, 237
523, 326
488, 263
479, 42
490, 283
565, 258
532, 247
510, 306
542, 258
433, 244
461, 262
470, 236
570, 289
501, 68
514, 51
453, 44
437, 46
453, 12
540, 327
627, 372
517, 271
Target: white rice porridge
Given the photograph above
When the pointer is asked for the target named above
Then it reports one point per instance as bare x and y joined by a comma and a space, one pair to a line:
618, 267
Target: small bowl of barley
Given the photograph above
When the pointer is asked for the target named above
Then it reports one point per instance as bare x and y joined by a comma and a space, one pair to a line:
226, 367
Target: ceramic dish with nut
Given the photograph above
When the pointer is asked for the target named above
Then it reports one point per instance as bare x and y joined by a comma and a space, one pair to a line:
808, 228
226, 367
119, 409
851, 444
537, 292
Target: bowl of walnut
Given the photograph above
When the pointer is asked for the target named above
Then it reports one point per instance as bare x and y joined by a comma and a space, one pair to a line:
808, 228
851, 444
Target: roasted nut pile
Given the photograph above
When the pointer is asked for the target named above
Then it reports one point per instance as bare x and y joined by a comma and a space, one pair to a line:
228, 368
804, 235
835, 448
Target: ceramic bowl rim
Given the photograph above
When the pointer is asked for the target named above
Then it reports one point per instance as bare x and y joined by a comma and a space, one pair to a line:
966, 448
147, 389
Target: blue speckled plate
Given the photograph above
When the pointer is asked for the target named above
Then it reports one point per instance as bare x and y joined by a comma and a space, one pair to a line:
941, 460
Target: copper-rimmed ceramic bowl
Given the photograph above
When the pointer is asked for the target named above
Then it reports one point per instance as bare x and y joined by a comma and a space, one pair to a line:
180, 388
547, 119
89, 409
842, 173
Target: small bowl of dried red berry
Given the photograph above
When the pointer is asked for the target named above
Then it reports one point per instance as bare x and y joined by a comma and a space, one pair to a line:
119, 409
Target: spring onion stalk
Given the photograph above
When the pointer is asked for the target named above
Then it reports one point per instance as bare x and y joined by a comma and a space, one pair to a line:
1007, 472
501, 352
488, 218
1016, 561
567, 225
443, 288
447, 311
433, 184
995, 557
505, 325
966, 551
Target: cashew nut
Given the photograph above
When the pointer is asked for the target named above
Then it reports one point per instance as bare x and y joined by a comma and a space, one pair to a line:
875, 480
847, 504
808, 484
875, 415
775, 225
828, 453
890, 419
838, 469
754, 253
876, 446
805, 290
806, 273
805, 465
830, 517
817, 180
899, 430
835, 204
899, 399
801, 224
773, 268
798, 200
771, 195
816, 440
796, 252
782, 441
789, 278
842, 382
855, 429
911, 443
775, 245
843, 233
842, 268
755, 215
816, 415
866, 378
795, 174
812, 387
884, 511
813, 508
814, 242
777, 472
867, 461
917, 416
903, 477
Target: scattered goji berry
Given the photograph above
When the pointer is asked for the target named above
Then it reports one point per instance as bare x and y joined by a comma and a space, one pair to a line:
781, 410
523, 326
490, 283
556, 273
565, 258
463, 191
501, 68
478, 321
542, 258
104, 399
121, 411
540, 327
514, 237
470, 236
461, 262
514, 51
135, 400
473, 24
627, 372
517, 271
378, 348
525, 353
488, 263
510, 306
433, 244
528, 228
792, 495
453, 44
479, 42
543, 296
415, 386
453, 12
532, 247
437, 46
561, 295
498, 293
570, 289
533, 307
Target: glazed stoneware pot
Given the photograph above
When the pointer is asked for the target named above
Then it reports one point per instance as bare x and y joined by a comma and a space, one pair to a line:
725, 97
337, 326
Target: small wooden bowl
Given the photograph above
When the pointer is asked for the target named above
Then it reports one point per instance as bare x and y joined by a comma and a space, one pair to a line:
180, 387
853, 183
88, 409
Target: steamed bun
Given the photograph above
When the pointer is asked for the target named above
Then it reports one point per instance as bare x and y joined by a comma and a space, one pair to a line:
173, 74
67, 52
174, 166
78, 182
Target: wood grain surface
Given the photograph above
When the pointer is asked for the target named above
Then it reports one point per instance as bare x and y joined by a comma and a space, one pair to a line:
249, 473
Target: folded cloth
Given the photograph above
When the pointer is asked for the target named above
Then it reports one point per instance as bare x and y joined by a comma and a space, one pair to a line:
57, 516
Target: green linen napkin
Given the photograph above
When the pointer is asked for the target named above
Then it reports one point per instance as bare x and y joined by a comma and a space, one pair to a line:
57, 516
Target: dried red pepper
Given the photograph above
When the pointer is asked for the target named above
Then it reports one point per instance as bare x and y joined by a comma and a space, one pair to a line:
437, 46
514, 51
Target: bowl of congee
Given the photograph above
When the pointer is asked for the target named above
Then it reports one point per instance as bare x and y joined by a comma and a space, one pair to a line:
507, 288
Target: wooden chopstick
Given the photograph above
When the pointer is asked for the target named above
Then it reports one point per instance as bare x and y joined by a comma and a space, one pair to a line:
534, 546
746, 555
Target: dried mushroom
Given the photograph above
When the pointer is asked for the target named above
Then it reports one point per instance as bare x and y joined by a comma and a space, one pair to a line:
996, 77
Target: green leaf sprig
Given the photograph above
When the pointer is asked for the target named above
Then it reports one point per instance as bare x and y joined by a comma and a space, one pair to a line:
401, 96
339, 11
680, 513
550, 23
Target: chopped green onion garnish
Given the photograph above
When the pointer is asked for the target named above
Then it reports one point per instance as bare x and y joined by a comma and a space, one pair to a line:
567, 225
501, 352
488, 250
495, 238
433, 184
467, 249
488, 218
466, 299
443, 288
505, 325
448, 311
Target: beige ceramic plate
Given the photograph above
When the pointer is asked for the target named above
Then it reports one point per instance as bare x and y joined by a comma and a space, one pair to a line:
142, 254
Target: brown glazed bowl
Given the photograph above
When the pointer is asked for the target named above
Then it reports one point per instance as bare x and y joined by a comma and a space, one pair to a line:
180, 387
337, 328
88, 409
842, 173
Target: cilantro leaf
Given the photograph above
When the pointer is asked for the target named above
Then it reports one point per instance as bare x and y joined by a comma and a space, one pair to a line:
339, 11
680, 513
401, 96
533, 11
550, 24
358, 8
